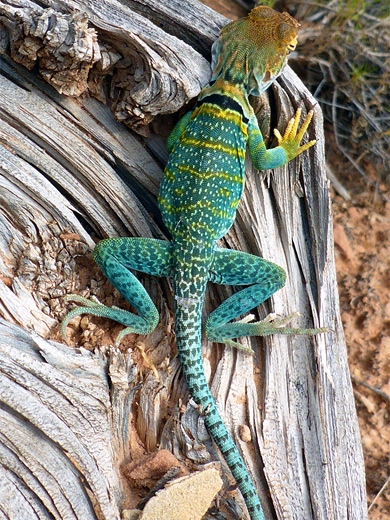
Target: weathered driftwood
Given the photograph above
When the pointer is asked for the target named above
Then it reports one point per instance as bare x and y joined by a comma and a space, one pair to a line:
69, 170
150, 72
61, 425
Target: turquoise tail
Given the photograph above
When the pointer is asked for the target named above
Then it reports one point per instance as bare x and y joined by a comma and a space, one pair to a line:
188, 312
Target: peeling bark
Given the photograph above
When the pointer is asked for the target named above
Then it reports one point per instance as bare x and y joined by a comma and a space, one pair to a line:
110, 51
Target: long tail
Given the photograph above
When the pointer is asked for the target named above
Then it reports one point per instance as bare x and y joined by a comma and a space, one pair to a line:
188, 312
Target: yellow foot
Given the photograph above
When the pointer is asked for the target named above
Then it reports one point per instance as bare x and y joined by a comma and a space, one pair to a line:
291, 139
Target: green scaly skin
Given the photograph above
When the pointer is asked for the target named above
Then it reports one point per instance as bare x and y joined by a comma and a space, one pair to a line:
199, 195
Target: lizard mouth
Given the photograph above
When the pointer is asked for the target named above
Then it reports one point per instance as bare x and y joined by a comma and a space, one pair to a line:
292, 44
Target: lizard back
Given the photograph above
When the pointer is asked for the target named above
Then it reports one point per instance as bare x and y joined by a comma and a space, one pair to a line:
204, 176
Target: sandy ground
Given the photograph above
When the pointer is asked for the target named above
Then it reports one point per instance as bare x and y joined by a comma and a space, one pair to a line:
362, 248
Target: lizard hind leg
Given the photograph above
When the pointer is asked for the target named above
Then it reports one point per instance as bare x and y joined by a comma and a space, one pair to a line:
263, 278
115, 257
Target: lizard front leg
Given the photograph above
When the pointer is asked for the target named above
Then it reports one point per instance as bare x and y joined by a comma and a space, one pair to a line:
264, 278
115, 257
289, 145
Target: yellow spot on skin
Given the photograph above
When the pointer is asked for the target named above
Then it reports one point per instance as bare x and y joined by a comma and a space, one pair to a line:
170, 176
219, 213
224, 192
201, 143
234, 203
165, 204
210, 174
201, 225
222, 115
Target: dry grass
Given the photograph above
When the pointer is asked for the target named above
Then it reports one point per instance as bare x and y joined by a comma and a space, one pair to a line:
345, 52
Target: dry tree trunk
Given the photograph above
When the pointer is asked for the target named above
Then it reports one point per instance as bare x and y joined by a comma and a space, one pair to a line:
69, 172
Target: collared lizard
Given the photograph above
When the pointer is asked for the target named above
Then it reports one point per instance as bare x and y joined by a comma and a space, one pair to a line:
199, 194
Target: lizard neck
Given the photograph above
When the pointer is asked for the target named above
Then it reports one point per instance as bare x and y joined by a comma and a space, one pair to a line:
235, 91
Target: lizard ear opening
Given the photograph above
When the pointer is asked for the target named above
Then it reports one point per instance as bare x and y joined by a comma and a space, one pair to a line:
260, 79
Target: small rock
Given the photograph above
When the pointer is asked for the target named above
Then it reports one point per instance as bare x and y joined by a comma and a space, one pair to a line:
245, 433
186, 498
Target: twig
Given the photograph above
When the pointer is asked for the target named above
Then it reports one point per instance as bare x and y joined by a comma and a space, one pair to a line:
379, 494
370, 387
341, 190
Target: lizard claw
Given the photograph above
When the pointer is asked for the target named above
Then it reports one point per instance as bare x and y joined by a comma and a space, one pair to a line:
291, 139
239, 346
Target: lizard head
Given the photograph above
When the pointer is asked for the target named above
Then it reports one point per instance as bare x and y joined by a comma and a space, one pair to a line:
254, 50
